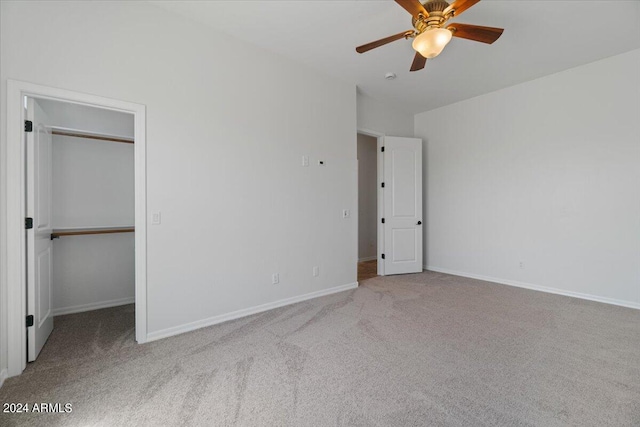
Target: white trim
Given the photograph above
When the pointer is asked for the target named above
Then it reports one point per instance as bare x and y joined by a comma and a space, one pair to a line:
589, 297
169, 332
370, 132
368, 258
93, 306
380, 176
15, 255
3, 376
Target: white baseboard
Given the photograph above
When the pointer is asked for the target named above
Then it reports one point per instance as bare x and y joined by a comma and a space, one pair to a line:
622, 303
368, 258
93, 306
164, 333
3, 376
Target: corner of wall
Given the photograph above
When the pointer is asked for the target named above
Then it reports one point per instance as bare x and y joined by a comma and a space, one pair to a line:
382, 117
513, 191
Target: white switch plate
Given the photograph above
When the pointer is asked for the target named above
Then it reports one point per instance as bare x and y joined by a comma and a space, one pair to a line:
346, 213
305, 160
316, 271
275, 278
156, 218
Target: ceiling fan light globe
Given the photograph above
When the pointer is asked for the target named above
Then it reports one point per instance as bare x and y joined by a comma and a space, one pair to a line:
430, 43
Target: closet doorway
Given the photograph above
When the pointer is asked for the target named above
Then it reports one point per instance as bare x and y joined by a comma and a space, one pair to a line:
80, 204
76, 234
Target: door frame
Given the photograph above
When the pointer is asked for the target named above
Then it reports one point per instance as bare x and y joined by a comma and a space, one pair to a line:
14, 305
380, 199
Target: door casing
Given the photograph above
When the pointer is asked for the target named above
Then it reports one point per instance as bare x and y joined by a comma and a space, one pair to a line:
13, 284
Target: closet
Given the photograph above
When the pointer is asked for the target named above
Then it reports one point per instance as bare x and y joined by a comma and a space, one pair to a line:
92, 206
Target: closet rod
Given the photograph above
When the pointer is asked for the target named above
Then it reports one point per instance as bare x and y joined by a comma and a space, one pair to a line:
84, 231
92, 136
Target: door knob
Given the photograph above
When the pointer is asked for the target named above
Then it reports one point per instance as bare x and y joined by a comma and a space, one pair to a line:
419, 223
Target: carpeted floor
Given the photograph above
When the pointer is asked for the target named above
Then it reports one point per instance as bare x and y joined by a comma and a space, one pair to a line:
426, 349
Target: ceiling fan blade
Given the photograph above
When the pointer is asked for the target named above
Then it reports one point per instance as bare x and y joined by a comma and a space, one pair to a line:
418, 62
414, 7
476, 32
366, 47
459, 6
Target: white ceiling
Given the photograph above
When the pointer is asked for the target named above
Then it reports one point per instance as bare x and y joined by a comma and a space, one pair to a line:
540, 38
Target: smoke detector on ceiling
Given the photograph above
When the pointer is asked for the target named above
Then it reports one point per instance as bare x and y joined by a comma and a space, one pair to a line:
390, 76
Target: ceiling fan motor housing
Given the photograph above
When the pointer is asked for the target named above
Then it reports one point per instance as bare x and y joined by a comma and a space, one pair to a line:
436, 18
435, 5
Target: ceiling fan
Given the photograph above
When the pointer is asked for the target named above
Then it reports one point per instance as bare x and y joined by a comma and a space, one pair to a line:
430, 35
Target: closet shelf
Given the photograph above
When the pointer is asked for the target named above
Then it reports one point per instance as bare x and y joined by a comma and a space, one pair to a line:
95, 230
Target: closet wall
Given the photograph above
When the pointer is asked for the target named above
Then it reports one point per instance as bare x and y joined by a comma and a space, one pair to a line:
93, 186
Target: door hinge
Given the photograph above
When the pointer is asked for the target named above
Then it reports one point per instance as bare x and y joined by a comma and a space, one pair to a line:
382, 256
383, 220
382, 149
30, 320
28, 126
382, 185
28, 223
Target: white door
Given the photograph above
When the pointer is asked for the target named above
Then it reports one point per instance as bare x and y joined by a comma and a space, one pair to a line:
39, 247
402, 196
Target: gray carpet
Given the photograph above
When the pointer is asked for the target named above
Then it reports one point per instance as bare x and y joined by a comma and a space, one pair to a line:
417, 350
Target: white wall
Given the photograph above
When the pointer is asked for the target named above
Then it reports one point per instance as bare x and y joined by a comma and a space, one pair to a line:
545, 173
92, 187
367, 197
93, 271
227, 125
92, 183
377, 116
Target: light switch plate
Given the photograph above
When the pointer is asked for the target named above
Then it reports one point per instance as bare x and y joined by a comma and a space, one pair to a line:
156, 218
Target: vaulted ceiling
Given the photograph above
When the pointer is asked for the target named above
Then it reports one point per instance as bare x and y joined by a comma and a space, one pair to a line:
540, 38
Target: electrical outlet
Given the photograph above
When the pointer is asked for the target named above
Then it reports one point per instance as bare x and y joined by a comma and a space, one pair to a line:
305, 160
275, 278
316, 271
521, 264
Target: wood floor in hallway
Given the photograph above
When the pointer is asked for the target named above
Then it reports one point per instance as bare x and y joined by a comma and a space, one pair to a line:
367, 270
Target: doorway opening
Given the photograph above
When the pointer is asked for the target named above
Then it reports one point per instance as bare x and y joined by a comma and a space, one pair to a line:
367, 155
390, 205
80, 204
76, 181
